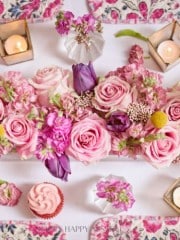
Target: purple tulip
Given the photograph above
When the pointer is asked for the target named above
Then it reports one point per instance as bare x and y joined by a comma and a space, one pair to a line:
59, 167
118, 122
84, 77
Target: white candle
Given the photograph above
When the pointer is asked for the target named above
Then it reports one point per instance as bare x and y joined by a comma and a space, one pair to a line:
169, 51
15, 44
176, 197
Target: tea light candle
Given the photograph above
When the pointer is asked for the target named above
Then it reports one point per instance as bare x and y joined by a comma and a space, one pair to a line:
15, 44
176, 197
169, 51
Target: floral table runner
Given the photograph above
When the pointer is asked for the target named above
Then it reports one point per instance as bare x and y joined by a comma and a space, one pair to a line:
34, 10
21, 230
133, 11
136, 228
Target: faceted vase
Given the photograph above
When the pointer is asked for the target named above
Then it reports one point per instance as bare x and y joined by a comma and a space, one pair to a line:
85, 51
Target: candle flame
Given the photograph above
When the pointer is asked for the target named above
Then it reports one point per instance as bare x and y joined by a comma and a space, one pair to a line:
19, 46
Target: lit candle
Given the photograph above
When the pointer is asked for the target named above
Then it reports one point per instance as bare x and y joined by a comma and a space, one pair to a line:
15, 44
169, 51
176, 197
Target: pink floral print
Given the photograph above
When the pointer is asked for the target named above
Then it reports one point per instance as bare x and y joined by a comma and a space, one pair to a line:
136, 228
34, 10
14, 230
132, 11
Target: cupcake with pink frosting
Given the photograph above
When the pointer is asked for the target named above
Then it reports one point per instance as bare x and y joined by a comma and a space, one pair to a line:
45, 200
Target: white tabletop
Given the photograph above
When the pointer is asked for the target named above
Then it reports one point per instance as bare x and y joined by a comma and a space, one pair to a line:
149, 184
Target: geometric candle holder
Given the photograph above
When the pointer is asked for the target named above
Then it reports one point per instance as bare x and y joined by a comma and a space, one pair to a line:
172, 195
18, 28
169, 34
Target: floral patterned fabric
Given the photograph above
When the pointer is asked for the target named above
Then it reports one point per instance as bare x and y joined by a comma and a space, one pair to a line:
133, 11
21, 230
136, 228
33, 10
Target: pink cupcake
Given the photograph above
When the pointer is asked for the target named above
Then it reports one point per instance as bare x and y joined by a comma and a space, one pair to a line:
45, 200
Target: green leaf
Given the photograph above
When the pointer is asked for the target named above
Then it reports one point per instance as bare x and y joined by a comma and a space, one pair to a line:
130, 33
2, 181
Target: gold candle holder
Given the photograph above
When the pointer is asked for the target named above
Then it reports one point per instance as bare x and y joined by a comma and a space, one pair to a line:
11, 32
169, 194
164, 46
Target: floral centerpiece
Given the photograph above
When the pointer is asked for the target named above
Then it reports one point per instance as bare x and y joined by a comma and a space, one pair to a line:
60, 113
83, 36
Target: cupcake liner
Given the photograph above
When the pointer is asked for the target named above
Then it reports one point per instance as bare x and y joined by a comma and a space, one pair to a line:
58, 209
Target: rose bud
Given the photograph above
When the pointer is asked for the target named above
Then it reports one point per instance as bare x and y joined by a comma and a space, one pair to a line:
84, 77
118, 122
59, 167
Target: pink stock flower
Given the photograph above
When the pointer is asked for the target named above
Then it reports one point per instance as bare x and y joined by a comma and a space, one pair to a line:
9, 194
117, 192
89, 140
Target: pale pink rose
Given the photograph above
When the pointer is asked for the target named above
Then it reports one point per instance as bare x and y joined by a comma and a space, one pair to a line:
161, 153
172, 107
1, 110
50, 81
113, 94
22, 133
89, 140
9, 194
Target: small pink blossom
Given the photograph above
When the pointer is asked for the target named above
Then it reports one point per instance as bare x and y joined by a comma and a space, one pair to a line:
117, 192
9, 194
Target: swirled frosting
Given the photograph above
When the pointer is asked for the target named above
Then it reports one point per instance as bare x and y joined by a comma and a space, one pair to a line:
44, 198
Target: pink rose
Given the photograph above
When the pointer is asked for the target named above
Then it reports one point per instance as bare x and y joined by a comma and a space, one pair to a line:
173, 106
9, 194
22, 133
1, 109
50, 81
89, 140
113, 94
161, 153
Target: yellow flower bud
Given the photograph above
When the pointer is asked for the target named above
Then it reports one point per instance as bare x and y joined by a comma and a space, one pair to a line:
2, 130
159, 119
